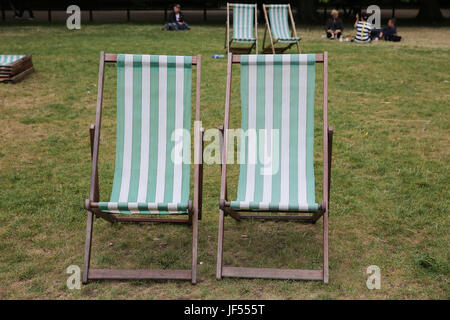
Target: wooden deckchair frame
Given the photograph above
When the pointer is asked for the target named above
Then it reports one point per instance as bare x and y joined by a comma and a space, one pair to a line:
91, 204
225, 208
267, 30
228, 41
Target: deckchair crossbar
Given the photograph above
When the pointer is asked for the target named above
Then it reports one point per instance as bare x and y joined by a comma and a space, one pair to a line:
236, 59
272, 273
117, 274
112, 57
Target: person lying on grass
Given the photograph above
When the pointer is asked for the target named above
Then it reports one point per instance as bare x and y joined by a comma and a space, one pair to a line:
363, 29
176, 21
334, 25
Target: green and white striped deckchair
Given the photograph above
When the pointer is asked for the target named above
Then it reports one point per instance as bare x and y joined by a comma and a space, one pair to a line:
244, 27
243, 16
7, 60
152, 166
279, 28
277, 95
276, 150
153, 101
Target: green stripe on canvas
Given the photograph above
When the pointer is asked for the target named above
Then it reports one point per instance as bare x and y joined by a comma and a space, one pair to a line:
293, 133
120, 127
137, 112
187, 125
260, 117
310, 128
244, 125
277, 100
154, 112
170, 127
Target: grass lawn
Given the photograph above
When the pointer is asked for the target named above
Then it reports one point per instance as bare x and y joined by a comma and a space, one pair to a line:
389, 105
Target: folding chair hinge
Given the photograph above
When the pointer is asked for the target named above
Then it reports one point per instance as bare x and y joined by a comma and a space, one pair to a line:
87, 204
323, 206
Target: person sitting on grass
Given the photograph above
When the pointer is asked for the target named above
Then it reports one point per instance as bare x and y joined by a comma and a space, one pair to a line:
334, 25
176, 21
363, 29
390, 32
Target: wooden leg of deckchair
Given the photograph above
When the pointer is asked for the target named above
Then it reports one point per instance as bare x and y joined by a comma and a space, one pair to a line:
251, 48
285, 48
194, 246
220, 245
325, 215
87, 248
200, 191
330, 152
234, 214
264, 41
97, 190
100, 214
325, 246
298, 47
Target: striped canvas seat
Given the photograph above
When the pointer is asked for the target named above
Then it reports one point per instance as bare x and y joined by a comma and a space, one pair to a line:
243, 21
277, 94
6, 60
278, 16
153, 100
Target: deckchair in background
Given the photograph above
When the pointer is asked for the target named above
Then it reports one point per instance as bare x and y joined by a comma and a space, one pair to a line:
277, 94
278, 28
153, 100
244, 28
14, 68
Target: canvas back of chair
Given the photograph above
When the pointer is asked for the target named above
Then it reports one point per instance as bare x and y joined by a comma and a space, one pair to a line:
277, 103
153, 122
243, 22
6, 60
279, 22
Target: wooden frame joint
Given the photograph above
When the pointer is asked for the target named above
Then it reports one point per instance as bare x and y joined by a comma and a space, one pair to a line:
87, 204
222, 204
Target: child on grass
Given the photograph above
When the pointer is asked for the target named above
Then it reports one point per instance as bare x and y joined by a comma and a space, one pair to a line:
176, 21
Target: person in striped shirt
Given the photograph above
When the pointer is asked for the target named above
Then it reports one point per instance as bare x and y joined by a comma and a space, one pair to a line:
363, 29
